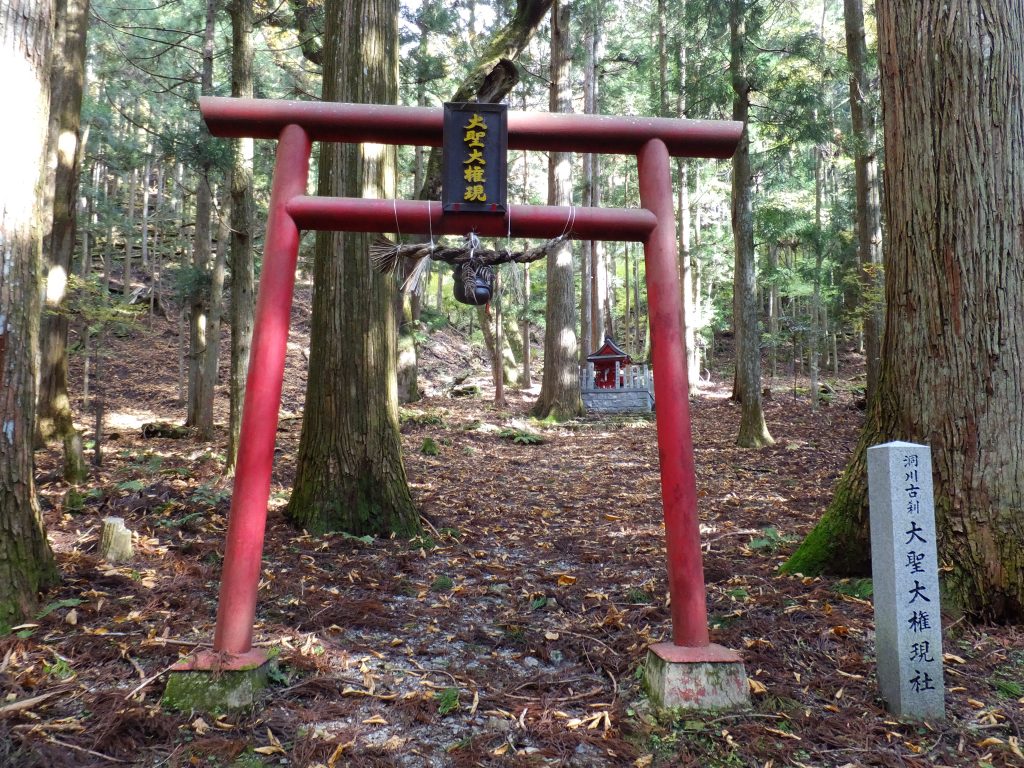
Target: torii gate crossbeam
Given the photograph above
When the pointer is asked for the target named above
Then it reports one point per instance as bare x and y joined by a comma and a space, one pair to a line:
296, 125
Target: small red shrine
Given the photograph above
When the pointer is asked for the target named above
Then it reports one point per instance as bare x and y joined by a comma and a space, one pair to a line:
605, 360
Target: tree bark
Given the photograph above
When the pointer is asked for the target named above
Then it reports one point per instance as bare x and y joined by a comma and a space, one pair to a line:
814, 332
951, 374
200, 389
350, 474
868, 196
241, 255
773, 310
560, 386
492, 338
524, 324
686, 281
211, 355
67, 82
595, 309
26, 562
753, 432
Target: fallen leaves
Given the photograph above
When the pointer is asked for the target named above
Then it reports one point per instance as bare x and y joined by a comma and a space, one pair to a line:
24, 705
555, 595
273, 748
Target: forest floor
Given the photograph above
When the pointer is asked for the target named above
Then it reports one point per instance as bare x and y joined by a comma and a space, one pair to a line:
510, 633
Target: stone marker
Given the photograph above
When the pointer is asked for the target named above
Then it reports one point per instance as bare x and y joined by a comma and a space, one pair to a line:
904, 569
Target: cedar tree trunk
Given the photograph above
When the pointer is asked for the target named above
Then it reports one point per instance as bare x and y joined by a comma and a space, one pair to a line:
560, 387
952, 373
753, 431
26, 563
67, 81
240, 258
869, 209
350, 474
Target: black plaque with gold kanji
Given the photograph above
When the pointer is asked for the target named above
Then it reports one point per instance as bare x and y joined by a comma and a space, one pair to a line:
475, 157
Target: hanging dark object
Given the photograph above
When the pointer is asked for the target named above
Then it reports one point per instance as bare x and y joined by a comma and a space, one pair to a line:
474, 283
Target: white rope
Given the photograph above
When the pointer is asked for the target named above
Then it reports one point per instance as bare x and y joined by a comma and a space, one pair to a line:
570, 221
430, 225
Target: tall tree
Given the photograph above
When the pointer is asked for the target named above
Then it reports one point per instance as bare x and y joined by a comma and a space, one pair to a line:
350, 474
241, 258
594, 250
560, 387
26, 563
201, 342
687, 259
869, 209
67, 82
950, 375
753, 431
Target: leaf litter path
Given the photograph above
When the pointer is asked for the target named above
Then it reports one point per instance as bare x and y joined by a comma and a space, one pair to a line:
509, 634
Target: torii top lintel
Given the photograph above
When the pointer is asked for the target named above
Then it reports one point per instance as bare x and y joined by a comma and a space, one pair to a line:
422, 126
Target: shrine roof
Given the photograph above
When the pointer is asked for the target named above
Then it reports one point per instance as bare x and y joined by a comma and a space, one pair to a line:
609, 351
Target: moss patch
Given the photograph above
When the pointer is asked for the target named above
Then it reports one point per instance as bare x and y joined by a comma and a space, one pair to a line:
218, 693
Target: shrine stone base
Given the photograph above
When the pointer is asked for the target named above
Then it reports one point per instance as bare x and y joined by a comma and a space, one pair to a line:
711, 677
217, 685
618, 401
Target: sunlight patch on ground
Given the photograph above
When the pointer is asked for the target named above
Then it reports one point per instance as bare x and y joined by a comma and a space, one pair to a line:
715, 391
129, 419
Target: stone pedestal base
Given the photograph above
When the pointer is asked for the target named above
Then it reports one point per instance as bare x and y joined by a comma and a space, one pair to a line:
711, 677
216, 683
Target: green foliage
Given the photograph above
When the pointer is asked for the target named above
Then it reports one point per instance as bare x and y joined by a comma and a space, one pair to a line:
1010, 689
89, 301
448, 701
367, 539
58, 605
521, 436
74, 500
862, 589
209, 495
430, 447
771, 540
639, 596
441, 584
422, 542
59, 669
420, 418
190, 283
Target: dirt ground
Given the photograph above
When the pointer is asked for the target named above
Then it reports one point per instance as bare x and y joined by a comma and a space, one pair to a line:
510, 633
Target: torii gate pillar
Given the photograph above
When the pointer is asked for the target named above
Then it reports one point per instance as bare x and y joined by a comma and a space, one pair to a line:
688, 672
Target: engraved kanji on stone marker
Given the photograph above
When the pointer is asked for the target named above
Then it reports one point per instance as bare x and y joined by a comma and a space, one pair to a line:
904, 566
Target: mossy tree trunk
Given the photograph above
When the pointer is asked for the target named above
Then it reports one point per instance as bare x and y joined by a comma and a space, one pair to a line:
953, 347
350, 474
26, 562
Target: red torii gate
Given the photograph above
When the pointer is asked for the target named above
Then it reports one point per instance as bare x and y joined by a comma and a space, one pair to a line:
296, 125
